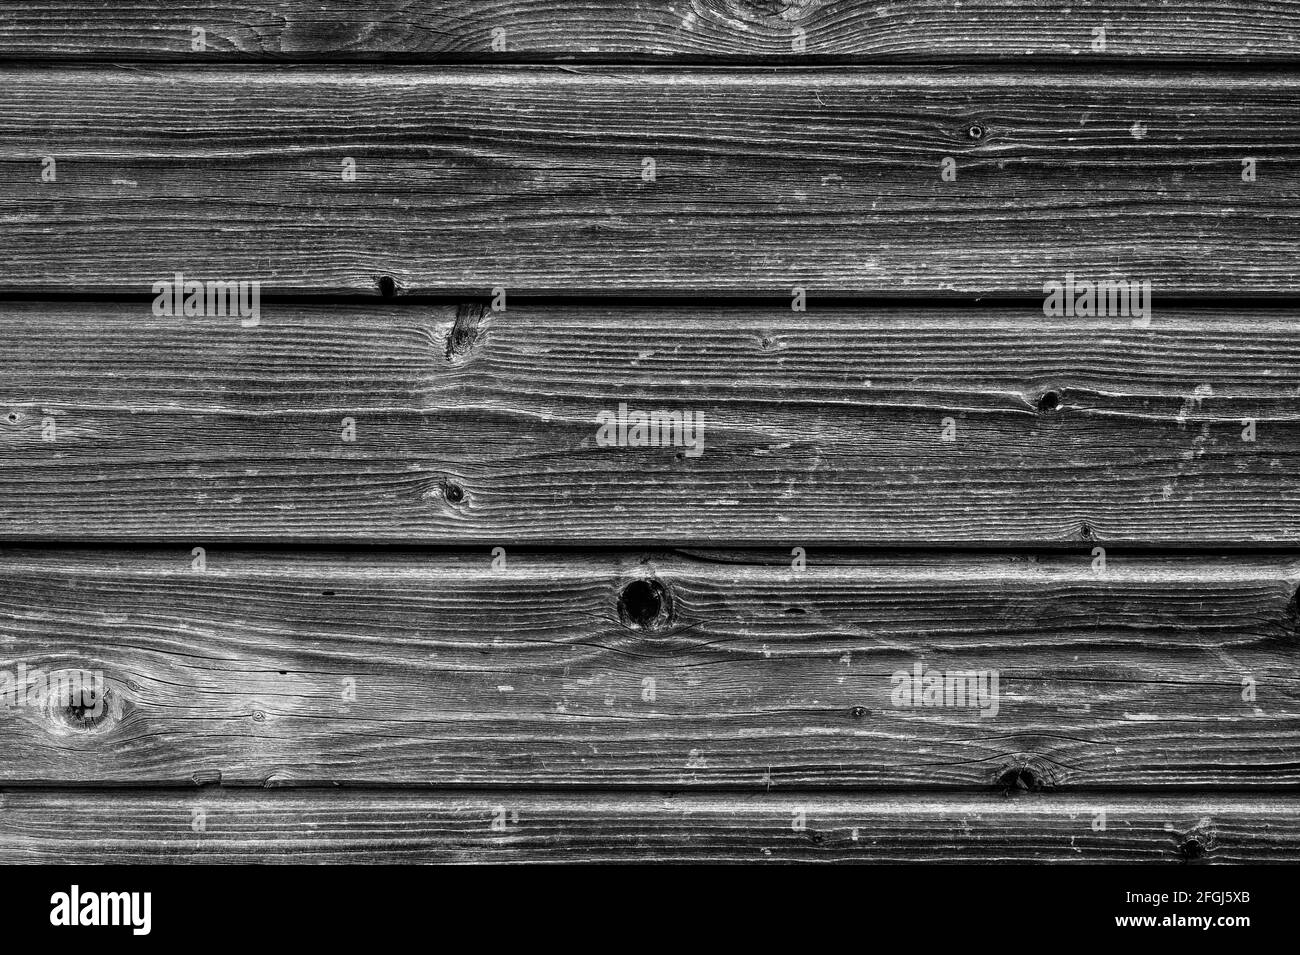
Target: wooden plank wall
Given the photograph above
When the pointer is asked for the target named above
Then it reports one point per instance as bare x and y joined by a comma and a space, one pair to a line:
355, 576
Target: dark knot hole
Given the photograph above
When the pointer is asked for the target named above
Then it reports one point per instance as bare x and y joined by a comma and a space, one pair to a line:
80, 702
645, 604
1020, 779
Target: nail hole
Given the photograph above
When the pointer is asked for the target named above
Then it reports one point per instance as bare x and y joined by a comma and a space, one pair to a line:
1049, 402
387, 287
976, 131
453, 493
1019, 779
1191, 849
858, 712
645, 605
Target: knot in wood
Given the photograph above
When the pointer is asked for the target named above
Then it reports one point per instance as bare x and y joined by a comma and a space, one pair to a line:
645, 605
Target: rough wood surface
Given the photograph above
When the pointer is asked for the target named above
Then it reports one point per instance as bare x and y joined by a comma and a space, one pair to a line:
617, 692
863, 30
285, 669
531, 179
224, 826
823, 427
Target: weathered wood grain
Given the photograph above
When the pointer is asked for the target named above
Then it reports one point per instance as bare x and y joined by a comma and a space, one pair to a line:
225, 826
819, 428
283, 669
840, 30
531, 179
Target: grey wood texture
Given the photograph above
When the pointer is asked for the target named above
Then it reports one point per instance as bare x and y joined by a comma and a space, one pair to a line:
859, 30
531, 179
231, 826
826, 427
439, 670
638, 653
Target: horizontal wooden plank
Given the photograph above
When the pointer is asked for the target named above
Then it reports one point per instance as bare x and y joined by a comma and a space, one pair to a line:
1197, 30
649, 670
535, 180
226, 826
828, 427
